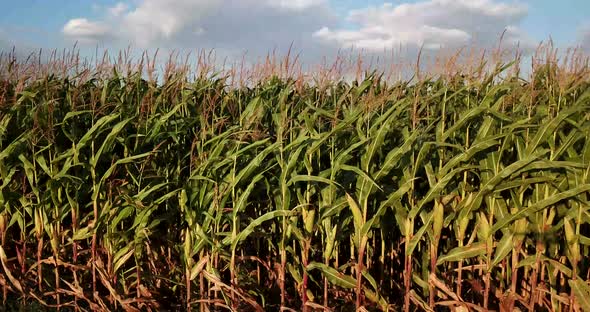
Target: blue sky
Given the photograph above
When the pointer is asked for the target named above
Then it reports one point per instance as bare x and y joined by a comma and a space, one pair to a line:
317, 27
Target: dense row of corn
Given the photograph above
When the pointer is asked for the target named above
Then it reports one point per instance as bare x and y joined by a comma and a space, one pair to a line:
467, 191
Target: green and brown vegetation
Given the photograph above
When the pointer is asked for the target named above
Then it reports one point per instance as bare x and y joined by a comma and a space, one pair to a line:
463, 191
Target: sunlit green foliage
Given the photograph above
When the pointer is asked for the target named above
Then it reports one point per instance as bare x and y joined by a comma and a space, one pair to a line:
119, 192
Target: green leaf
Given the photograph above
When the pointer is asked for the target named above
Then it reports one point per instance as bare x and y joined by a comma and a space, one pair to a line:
357, 218
257, 222
82, 234
198, 267
464, 252
503, 249
333, 275
418, 236
107, 144
491, 184
97, 127
581, 293
309, 178
361, 173
122, 256
542, 204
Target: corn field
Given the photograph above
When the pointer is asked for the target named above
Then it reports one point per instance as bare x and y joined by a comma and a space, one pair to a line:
460, 192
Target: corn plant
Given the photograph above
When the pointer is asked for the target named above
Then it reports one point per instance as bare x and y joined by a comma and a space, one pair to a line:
123, 188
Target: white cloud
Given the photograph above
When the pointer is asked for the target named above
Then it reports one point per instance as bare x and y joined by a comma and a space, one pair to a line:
233, 26
145, 24
312, 26
296, 5
161, 19
118, 9
85, 30
432, 24
154, 20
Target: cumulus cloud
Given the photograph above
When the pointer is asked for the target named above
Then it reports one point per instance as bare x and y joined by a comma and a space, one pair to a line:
118, 9
85, 30
154, 20
432, 24
234, 26
312, 26
296, 5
